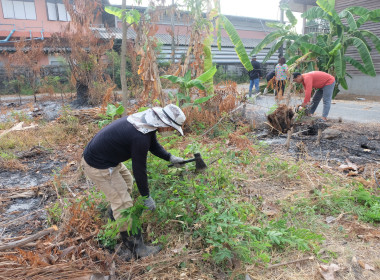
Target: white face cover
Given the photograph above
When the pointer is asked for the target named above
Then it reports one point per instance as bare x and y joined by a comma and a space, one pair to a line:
146, 121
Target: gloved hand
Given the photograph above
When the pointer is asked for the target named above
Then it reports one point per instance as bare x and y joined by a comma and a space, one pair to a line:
176, 160
149, 202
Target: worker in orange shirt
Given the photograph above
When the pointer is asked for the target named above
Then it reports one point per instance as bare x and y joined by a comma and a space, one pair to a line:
325, 84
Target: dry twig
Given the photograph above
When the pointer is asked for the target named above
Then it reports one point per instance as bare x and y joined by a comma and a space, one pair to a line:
24, 241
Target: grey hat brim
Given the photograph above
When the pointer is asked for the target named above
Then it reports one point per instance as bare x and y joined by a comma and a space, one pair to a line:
166, 120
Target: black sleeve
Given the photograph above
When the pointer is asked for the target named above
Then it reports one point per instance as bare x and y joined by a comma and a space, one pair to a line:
139, 155
157, 149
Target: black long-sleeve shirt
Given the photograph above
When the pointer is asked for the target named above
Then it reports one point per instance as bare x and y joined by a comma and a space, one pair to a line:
120, 141
256, 72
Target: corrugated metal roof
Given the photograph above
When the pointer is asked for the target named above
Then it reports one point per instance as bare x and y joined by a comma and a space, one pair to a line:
226, 55
166, 39
113, 32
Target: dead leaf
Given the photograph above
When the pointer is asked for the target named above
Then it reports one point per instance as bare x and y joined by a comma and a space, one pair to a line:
328, 271
179, 248
352, 173
269, 209
366, 266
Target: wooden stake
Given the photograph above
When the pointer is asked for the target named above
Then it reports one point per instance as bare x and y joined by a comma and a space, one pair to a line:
287, 144
319, 136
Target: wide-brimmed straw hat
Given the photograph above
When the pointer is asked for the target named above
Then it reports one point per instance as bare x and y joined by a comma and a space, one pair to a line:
172, 116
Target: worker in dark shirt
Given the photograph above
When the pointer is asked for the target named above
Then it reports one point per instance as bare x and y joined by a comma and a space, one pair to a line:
130, 138
254, 76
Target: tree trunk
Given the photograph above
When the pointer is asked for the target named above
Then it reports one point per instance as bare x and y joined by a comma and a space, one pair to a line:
123, 61
173, 30
82, 95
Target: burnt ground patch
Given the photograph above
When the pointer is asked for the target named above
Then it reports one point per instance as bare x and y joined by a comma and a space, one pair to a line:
26, 191
339, 142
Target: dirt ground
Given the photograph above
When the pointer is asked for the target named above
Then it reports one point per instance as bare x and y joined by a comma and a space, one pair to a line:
25, 191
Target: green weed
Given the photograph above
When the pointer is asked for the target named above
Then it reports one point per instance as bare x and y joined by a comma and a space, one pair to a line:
54, 214
352, 199
111, 113
132, 216
7, 156
210, 208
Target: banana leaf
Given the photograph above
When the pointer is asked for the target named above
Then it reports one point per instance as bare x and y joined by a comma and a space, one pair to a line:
350, 19
278, 25
337, 47
357, 10
364, 54
203, 99
207, 75
315, 13
316, 49
173, 79
343, 83
321, 41
195, 83
355, 63
292, 19
374, 15
338, 64
130, 16
269, 39
375, 39
330, 9
273, 49
208, 62
235, 39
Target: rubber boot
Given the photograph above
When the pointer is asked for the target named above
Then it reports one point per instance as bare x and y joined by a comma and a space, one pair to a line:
135, 243
109, 213
124, 251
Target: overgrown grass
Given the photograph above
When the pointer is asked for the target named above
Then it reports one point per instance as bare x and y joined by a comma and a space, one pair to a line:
353, 199
209, 207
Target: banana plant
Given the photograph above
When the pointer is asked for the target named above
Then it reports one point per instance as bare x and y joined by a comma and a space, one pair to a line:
129, 16
186, 83
327, 52
343, 36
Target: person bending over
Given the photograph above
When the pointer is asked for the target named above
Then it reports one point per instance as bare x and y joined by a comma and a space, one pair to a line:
130, 137
324, 83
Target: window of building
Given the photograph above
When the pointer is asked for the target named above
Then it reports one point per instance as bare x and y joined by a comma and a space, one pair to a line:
56, 60
24, 9
57, 11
